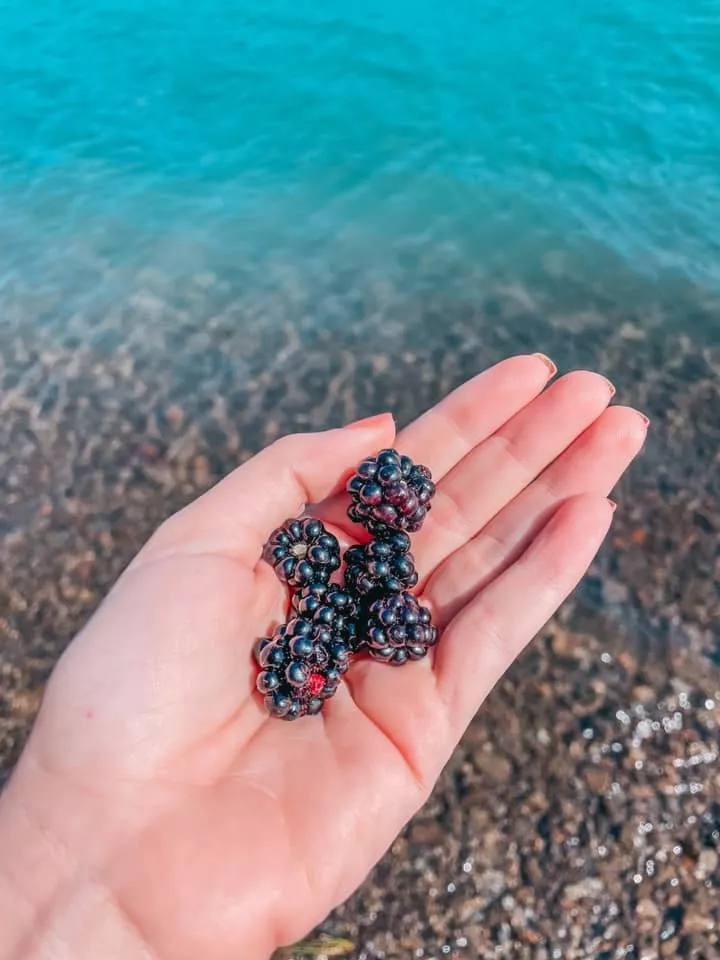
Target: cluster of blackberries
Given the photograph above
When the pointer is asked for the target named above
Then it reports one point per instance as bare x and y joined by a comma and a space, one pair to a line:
302, 663
390, 497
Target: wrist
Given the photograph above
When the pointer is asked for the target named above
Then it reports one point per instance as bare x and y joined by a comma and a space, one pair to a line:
37, 868
50, 904
73, 884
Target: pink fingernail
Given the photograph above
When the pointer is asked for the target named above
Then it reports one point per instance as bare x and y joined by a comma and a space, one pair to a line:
645, 419
612, 503
611, 386
369, 423
548, 363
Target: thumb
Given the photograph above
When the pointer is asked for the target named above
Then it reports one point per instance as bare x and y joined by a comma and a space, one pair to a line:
236, 516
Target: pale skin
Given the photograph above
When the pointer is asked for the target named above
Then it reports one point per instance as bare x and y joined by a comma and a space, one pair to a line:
157, 812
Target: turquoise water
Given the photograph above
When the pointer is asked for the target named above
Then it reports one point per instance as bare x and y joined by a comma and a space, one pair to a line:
390, 135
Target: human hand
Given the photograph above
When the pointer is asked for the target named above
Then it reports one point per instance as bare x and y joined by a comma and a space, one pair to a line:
158, 812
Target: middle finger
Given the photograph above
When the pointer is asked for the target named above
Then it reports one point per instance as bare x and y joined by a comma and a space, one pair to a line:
500, 467
592, 464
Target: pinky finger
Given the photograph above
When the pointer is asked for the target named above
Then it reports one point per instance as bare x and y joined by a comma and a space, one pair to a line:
486, 636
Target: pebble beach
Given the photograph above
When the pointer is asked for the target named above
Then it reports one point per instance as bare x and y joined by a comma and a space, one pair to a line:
580, 815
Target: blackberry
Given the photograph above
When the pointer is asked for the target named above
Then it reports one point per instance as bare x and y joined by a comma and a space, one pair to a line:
301, 667
396, 628
331, 609
302, 551
380, 567
389, 492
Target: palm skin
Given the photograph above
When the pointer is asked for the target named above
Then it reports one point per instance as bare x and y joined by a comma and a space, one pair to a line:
173, 818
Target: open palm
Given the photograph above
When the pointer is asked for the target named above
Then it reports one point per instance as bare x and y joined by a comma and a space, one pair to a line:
216, 832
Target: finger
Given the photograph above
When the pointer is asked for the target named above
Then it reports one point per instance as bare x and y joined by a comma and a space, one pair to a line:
236, 516
443, 435
486, 636
497, 470
592, 464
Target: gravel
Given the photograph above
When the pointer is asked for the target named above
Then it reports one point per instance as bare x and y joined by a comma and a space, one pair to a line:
580, 815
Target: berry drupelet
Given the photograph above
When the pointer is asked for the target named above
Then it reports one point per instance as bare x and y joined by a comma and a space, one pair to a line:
380, 567
301, 666
302, 551
389, 493
396, 629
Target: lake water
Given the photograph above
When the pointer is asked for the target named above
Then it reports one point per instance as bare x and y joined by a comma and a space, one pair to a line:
222, 221
417, 143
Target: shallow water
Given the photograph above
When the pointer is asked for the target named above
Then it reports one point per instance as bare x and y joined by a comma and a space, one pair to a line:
571, 141
219, 224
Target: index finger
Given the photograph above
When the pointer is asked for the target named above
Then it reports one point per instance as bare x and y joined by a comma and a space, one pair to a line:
445, 434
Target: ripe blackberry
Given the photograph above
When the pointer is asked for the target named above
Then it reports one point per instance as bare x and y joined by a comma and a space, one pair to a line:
301, 666
330, 608
397, 628
380, 567
389, 493
302, 551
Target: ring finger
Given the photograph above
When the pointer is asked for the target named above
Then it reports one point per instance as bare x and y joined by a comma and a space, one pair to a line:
592, 464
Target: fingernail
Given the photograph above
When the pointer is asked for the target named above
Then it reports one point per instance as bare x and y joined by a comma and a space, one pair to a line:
613, 505
645, 420
611, 386
370, 423
548, 363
